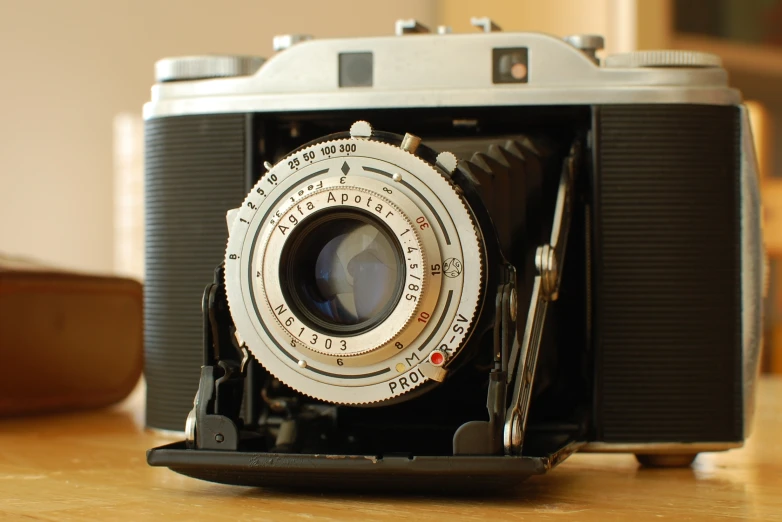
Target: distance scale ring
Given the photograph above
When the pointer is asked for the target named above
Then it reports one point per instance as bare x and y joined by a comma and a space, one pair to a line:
363, 379
340, 198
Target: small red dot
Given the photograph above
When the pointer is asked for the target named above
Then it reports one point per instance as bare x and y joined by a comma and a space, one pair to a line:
437, 358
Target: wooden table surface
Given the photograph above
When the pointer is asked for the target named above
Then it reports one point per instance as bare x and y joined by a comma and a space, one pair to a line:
91, 466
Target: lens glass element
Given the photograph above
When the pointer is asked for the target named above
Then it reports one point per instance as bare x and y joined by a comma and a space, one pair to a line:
343, 271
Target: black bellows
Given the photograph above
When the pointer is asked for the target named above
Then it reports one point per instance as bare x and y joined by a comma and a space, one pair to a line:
667, 274
194, 173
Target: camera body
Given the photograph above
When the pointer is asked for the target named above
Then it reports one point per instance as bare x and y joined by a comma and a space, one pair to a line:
515, 147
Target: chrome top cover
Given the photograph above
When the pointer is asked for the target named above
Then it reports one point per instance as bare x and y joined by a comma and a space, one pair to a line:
434, 70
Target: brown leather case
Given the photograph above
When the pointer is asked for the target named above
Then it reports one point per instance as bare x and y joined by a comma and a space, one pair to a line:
67, 340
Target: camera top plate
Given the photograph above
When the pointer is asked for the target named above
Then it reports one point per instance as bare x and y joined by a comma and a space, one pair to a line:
492, 69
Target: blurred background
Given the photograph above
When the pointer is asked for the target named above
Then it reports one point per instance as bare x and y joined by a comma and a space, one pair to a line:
76, 74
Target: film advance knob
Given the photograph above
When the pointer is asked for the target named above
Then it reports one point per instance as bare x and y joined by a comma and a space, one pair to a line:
672, 58
209, 66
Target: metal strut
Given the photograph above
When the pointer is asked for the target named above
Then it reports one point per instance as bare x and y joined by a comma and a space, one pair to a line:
549, 259
214, 421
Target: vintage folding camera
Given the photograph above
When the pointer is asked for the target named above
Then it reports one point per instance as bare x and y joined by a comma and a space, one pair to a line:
454, 259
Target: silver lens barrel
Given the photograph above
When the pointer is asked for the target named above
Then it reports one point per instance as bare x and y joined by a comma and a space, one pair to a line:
389, 200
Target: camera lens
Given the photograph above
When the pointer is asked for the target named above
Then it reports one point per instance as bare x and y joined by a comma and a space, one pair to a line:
343, 271
342, 286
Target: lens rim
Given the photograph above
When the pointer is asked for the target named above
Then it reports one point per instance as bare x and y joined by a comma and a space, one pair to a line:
373, 368
291, 277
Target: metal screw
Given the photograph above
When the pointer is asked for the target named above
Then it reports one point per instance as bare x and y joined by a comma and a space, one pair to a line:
546, 263
219, 438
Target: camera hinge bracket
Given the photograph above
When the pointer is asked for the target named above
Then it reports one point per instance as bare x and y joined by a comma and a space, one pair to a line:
214, 422
549, 260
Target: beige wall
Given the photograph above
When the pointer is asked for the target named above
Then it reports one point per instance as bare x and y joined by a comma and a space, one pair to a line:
555, 17
69, 66
558, 17
626, 24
